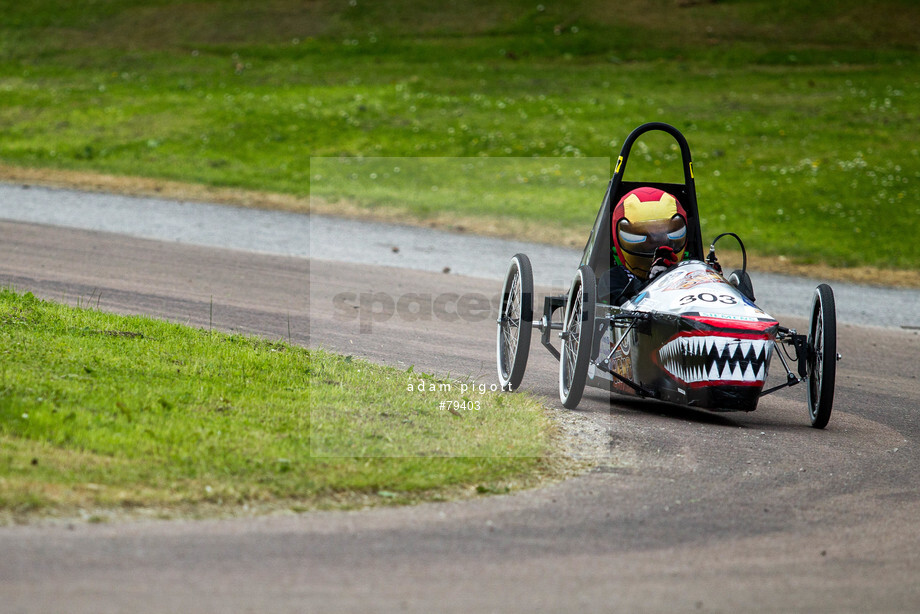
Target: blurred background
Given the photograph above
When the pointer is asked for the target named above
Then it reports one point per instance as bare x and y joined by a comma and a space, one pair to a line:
803, 117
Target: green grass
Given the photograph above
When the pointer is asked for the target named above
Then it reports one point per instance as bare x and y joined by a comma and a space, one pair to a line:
102, 414
801, 116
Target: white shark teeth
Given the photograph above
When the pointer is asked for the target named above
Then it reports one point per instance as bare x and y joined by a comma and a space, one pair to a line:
702, 358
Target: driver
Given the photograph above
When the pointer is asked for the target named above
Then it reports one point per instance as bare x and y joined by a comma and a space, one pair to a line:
649, 229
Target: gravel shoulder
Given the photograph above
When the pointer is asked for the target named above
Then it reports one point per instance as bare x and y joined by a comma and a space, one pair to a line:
286, 233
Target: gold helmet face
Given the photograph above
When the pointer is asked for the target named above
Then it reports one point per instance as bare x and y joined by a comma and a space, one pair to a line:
644, 220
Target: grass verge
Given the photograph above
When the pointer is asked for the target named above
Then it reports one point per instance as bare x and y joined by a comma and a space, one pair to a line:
106, 415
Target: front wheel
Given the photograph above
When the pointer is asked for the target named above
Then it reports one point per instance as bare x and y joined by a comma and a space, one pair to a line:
515, 323
577, 334
822, 356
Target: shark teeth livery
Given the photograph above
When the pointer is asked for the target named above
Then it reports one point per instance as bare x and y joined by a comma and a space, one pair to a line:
717, 359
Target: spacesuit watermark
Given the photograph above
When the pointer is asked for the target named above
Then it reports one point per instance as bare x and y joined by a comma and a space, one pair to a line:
368, 308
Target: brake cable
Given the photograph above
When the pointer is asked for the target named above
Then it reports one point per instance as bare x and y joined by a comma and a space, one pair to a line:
711, 256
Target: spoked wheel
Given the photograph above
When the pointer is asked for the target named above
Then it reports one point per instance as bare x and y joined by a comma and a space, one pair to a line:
577, 332
822, 359
515, 322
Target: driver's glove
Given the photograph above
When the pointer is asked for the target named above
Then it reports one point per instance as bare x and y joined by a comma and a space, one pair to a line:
665, 257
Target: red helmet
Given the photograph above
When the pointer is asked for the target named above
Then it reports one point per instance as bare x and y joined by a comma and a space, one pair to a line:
644, 220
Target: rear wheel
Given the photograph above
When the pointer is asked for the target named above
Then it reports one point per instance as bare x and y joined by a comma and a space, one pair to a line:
515, 323
577, 333
822, 358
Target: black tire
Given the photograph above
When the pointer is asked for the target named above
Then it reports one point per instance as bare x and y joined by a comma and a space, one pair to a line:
577, 334
515, 323
741, 280
822, 356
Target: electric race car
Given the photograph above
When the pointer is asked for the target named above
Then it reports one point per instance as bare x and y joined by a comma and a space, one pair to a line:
691, 335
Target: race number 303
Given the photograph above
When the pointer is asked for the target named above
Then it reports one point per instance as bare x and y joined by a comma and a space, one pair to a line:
708, 297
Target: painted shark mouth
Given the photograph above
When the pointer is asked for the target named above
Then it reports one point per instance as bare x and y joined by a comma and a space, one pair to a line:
717, 360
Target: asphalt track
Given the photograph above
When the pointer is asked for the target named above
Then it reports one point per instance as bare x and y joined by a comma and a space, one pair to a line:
684, 511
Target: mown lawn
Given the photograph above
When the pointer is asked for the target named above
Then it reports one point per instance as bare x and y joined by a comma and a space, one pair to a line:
802, 116
104, 414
